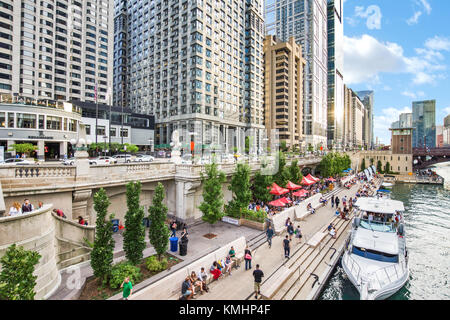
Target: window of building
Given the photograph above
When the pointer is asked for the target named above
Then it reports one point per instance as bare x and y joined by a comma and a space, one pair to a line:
25, 120
113, 132
2, 120
41, 122
54, 123
124, 133
88, 129
100, 130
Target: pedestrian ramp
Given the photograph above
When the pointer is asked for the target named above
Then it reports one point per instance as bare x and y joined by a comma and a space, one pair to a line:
270, 287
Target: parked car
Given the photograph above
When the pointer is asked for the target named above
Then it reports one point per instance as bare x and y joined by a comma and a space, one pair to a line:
101, 161
123, 158
143, 158
16, 161
69, 161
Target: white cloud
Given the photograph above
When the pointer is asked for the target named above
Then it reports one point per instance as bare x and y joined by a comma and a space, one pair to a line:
447, 110
425, 5
414, 19
438, 43
372, 14
412, 94
365, 58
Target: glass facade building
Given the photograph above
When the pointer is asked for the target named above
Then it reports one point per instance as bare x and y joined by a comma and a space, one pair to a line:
424, 124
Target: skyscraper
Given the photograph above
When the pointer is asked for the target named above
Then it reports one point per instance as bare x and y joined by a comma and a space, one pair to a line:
56, 50
283, 89
198, 67
424, 124
335, 117
367, 98
306, 20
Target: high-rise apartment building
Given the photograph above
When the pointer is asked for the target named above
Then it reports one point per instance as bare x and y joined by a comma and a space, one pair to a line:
197, 66
424, 124
283, 89
367, 98
446, 131
355, 120
335, 117
306, 20
56, 50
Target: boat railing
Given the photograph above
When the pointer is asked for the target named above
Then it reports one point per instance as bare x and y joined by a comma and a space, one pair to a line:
354, 268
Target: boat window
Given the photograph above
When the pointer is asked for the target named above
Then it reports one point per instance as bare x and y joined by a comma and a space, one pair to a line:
377, 226
375, 255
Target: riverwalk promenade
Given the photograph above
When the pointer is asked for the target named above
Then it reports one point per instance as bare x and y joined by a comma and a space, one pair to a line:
306, 262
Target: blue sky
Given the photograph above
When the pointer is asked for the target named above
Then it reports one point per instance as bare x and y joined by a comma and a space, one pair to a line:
401, 50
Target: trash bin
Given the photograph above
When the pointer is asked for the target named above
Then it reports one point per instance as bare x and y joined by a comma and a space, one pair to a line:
183, 248
115, 223
173, 244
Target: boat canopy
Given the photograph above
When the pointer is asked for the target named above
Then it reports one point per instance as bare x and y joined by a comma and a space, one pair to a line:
386, 206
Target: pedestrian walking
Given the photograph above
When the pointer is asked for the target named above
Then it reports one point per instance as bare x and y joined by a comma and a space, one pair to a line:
248, 258
298, 234
287, 247
269, 234
336, 200
332, 201
257, 275
290, 230
127, 288
173, 228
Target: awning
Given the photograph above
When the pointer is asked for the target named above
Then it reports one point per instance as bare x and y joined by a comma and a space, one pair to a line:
277, 203
292, 186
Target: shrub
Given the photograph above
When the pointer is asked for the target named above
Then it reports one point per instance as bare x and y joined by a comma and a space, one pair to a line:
258, 216
154, 265
121, 271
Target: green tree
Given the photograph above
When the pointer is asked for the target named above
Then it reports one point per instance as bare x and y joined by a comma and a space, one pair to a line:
212, 205
363, 164
260, 184
247, 145
295, 174
159, 232
131, 148
134, 234
240, 186
387, 167
283, 146
26, 148
103, 251
379, 167
17, 281
281, 177
310, 147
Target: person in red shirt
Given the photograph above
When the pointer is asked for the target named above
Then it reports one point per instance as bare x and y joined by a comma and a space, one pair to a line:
82, 221
215, 271
59, 213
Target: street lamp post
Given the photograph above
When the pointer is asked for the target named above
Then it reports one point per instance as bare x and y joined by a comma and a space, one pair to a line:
104, 138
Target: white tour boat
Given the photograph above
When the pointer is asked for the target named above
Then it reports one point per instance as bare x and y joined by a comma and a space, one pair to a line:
376, 258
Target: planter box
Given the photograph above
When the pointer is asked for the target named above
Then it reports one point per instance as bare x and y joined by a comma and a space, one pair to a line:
253, 224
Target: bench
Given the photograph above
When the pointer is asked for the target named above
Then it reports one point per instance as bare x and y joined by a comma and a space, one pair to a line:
270, 287
170, 286
316, 239
279, 219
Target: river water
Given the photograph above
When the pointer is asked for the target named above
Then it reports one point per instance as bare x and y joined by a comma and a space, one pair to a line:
427, 224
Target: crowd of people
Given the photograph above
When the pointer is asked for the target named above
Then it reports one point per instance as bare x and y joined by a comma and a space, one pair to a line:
26, 207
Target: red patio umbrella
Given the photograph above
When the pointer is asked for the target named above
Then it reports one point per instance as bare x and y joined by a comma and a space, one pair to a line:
300, 193
285, 200
307, 182
277, 190
277, 203
310, 177
331, 179
292, 186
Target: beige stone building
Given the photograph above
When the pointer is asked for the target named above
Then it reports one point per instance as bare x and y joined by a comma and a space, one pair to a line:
355, 116
283, 89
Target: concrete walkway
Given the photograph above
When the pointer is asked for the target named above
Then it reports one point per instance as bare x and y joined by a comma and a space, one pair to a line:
74, 277
239, 286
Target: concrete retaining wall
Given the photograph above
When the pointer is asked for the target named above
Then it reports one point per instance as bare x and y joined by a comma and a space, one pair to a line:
34, 231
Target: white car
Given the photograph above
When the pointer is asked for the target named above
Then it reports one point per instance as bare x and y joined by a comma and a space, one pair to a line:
16, 162
69, 161
101, 161
144, 158
123, 158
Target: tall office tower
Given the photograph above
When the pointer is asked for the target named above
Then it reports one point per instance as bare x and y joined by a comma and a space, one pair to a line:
367, 98
405, 120
446, 131
335, 118
56, 50
198, 67
283, 89
348, 118
306, 20
424, 124
120, 53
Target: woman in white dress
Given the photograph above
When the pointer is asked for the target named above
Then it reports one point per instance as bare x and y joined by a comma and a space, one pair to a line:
15, 210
